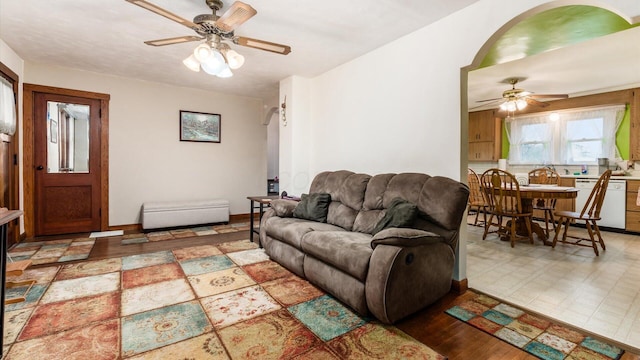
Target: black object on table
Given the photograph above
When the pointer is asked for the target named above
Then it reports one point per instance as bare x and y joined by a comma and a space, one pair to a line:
262, 201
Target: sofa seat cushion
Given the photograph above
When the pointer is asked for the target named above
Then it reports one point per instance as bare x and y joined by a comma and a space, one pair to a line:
344, 250
291, 230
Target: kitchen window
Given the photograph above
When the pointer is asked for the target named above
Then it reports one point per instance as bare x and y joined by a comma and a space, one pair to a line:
574, 137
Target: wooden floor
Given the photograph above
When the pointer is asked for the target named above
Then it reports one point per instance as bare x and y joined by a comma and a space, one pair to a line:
441, 332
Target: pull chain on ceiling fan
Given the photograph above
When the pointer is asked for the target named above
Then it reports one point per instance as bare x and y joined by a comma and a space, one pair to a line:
214, 56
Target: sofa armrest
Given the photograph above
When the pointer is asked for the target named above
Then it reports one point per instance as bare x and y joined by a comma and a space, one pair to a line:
403, 280
283, 207
405, 237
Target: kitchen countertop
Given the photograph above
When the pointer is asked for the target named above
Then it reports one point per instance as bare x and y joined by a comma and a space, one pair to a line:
613, 177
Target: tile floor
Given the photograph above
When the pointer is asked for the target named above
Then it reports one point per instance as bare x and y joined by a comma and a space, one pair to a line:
600, 294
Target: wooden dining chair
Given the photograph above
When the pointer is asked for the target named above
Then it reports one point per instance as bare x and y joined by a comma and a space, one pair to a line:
503, 198
548, 177
477, 201
590, 214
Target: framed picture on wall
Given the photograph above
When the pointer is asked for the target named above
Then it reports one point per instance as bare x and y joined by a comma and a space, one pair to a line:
53, 131
200, 127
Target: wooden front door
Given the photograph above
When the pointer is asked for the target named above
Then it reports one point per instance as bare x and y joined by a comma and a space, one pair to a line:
67, 164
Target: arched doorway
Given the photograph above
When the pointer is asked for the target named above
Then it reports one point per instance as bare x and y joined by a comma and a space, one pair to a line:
545, 19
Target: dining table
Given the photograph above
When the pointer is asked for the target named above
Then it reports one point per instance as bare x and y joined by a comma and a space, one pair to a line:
528, 193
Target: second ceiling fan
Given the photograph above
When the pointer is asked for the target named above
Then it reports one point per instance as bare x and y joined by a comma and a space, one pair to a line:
517, 99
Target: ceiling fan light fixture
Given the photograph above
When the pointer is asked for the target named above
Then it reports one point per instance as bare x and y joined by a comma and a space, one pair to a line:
192, 63
214, 65
234, 59
203, 52
509, 106
521, 104
225, 72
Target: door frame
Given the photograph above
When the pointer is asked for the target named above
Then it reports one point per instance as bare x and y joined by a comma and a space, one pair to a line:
14, 202
29, 91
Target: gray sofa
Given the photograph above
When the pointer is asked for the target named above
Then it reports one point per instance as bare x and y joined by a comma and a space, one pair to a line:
390, 274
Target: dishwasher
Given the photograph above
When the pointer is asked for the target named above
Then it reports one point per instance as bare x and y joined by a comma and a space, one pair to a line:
613, 208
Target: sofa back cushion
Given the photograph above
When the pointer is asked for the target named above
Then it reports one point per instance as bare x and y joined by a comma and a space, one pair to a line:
347, 190
441, 201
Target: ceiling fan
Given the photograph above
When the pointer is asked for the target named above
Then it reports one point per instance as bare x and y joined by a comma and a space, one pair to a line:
517, 99
215, 56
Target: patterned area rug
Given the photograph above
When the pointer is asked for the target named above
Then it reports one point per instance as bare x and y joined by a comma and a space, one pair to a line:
532, 334
227, 301
52, 251
182, 233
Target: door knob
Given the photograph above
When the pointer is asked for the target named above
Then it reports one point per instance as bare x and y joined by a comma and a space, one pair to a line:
40, 167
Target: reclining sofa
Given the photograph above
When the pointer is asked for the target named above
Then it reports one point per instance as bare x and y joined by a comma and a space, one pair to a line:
360, 254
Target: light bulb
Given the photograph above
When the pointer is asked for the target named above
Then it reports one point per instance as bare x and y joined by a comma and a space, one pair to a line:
503, 106
521, 104
511, 106
202, 52
192, 63
225, 72
214, 64
234, 59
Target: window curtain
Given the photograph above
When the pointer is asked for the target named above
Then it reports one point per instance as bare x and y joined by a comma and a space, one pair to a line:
7, 108
612, 118
528, 129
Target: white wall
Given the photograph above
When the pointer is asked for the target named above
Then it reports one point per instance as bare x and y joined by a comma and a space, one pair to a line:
273, 146
296, 140
398, 108
147, 162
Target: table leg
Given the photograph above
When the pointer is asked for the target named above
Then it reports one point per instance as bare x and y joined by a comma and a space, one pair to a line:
251, 221
260, 220
521, 226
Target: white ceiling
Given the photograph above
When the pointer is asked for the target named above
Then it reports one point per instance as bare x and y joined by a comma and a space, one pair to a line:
107, 37
602, 64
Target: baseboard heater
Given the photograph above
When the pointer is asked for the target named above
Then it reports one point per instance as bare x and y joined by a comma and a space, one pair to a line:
165, 214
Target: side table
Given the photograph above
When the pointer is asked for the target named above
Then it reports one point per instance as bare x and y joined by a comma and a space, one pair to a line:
262, 201
6, 216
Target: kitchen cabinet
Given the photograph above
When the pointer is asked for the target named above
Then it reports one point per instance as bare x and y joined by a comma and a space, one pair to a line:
634, 141
633, 210
484, 136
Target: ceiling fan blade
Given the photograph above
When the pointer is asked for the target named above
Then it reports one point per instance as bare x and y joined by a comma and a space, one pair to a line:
237, 14
531, 101
548, 96
483, 106
485, 100
160, 11
263, 45
171, 41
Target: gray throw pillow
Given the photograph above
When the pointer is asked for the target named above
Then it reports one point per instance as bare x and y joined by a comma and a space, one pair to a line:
313, 207
400, 214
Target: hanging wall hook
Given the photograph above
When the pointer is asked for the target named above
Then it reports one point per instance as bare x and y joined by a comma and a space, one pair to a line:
283, 113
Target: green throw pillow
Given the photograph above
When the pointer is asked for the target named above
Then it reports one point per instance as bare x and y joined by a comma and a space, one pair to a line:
400, 214
314, 207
